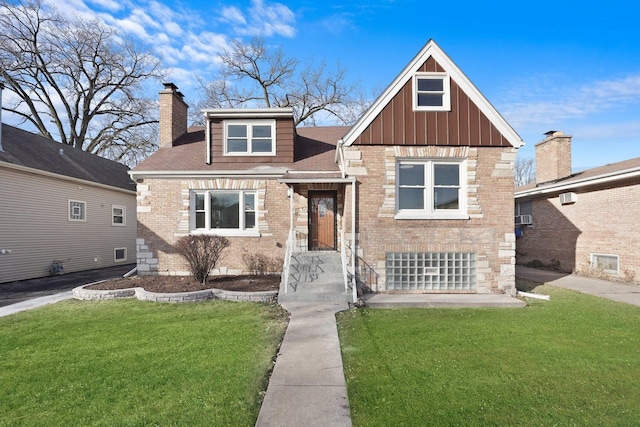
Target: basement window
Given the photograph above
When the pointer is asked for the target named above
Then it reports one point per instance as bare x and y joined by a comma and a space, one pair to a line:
431, 271
120, 254
605, 262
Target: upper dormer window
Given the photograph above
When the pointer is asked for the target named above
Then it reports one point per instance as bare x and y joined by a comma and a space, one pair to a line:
253, 138
431, 92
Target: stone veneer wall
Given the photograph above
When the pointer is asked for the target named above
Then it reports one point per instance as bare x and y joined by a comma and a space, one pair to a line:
163, 217
488, 232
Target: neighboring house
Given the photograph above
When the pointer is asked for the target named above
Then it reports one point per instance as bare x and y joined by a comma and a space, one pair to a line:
417, 194
62, 204
573, 221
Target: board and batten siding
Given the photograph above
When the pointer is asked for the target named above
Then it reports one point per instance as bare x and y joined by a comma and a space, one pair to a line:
35, 228
463, 125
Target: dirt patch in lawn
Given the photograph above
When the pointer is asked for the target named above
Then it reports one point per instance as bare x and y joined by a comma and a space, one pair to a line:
172, 284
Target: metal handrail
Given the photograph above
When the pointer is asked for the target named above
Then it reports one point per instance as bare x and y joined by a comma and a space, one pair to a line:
343, 257
287, 260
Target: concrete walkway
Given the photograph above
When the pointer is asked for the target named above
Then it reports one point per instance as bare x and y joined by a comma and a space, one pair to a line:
307, 386
616, 291
34, 302
441, 300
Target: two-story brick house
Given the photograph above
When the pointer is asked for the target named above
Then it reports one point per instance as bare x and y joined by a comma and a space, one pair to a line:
416, 195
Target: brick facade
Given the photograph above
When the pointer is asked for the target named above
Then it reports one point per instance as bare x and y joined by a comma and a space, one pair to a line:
603, 220
488, 232
164, 215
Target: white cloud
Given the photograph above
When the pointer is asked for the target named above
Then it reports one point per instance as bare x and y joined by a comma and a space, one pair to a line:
233, 15
539, 103
266, 19
110, 5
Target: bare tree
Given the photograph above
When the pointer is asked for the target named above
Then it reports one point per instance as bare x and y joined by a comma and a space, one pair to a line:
78, 81
524, 171
253, 76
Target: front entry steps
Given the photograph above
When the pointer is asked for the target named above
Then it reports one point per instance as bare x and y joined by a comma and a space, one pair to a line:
315, 277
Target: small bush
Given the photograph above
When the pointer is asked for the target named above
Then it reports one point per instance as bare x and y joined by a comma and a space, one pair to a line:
259, 264
202, 252
628, 275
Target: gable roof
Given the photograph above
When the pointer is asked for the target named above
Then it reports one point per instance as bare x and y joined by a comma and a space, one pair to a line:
432, 50
24, 149
610, 173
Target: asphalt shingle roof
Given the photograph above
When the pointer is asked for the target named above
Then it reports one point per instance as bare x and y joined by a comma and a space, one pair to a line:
27, 149
608, 170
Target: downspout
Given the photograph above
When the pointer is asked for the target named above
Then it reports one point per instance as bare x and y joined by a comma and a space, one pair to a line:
207, 138
354, 282
1, 88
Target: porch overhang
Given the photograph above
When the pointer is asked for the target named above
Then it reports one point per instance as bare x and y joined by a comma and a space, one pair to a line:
314, 178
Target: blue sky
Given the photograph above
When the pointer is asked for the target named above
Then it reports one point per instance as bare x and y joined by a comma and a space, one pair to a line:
546, 65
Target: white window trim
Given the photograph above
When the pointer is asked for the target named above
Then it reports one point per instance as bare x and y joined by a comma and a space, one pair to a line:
124, 216
617, 257
69, 210
249, 124
115, 251
227, 232
429, 212
446, 98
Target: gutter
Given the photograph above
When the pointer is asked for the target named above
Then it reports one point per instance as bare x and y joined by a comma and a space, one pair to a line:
206, 174
66, 177
600, 179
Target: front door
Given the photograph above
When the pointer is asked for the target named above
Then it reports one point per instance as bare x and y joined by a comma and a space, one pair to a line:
322, 220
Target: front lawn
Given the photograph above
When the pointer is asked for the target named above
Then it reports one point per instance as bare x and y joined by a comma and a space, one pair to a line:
571, 361
133, 363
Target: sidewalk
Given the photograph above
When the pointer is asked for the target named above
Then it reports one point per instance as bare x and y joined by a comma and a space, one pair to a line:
26, 294
307, 387
616, 291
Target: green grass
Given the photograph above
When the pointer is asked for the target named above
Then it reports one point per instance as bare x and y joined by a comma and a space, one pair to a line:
571, 361
131, 363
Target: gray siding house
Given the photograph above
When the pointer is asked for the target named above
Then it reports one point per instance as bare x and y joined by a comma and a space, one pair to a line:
61, 209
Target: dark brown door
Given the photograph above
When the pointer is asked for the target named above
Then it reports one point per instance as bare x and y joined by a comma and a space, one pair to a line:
322, 220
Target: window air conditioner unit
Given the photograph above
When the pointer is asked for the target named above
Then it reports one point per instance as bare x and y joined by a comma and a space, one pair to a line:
524, 219
566, 198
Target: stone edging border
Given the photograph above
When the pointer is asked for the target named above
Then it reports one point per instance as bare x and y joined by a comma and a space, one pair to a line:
82, 293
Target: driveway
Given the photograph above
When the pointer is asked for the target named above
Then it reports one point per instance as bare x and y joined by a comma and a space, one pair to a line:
22, 290
616, 291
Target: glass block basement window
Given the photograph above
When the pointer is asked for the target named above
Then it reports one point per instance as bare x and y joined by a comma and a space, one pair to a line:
431, 271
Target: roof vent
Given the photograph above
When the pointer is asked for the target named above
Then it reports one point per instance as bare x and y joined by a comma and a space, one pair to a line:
61, 151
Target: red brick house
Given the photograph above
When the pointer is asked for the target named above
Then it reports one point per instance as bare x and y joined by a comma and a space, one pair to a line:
577, 221
417, 196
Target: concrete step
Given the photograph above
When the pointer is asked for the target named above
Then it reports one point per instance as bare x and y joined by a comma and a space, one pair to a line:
315, 276
315, 297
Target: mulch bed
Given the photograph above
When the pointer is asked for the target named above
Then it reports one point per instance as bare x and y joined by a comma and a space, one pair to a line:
173, 284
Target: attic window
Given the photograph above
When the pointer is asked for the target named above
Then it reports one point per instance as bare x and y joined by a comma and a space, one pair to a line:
431, 92
253, 138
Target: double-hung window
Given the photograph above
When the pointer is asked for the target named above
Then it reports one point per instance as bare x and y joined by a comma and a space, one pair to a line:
118, 215
224, 212
430, 189
431, 92
256, 138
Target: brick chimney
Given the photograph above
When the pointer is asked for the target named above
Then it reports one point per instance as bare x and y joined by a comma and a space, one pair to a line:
553, 157
173, 115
